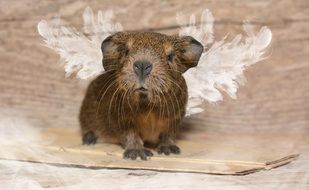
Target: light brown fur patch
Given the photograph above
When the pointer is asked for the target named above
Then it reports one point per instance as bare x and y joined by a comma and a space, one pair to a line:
151, 126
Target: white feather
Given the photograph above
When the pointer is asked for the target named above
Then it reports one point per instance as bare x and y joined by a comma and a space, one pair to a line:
80, 52
202, 31
222, 66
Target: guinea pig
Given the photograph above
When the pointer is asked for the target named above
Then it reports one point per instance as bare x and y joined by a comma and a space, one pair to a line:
140, 99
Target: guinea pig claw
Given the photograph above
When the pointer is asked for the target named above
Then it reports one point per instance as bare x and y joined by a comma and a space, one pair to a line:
168, 149
133, 154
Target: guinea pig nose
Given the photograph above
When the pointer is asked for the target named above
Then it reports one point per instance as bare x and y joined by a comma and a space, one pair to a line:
142, 68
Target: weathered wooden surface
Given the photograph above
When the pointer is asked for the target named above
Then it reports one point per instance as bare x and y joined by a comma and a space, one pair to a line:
213, 153
275, 99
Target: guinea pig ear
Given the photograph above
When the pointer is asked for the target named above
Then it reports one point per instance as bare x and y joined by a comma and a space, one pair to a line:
110, 53
191, 52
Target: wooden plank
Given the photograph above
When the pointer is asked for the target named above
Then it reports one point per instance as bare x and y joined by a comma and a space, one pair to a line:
219, 154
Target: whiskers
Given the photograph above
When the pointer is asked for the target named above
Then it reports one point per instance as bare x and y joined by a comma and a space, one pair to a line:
123, 104
119, 103
165, 89
107, 85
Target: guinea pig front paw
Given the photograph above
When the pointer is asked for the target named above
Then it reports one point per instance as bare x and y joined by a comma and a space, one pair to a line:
168, 149
132, 154
89, 138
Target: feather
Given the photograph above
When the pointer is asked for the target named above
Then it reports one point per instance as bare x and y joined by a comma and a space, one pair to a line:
202, 32
221, 67
80, 52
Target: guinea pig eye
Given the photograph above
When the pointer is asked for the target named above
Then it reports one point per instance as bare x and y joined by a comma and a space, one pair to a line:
170, 57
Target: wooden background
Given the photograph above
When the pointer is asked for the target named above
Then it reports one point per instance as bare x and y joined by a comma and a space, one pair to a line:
275, 99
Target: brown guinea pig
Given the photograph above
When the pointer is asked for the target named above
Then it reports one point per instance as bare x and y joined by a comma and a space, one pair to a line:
141, 97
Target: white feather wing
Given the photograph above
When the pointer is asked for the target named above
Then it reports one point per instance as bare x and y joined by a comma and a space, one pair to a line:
222, 66
80, 52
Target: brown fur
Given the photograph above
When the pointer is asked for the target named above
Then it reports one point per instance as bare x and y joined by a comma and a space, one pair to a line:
114, 109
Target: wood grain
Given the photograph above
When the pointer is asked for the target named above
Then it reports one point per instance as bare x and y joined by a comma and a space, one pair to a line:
275, 99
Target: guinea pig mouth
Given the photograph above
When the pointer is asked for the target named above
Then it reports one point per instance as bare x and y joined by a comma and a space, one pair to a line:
142, 94
141, 89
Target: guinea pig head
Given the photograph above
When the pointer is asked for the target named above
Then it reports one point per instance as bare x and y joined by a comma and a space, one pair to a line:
148, 64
